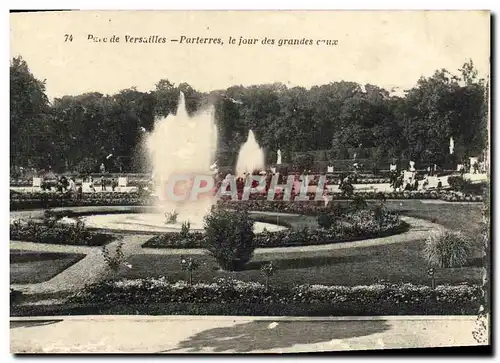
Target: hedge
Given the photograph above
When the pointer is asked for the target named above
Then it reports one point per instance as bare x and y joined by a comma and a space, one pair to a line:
231, 297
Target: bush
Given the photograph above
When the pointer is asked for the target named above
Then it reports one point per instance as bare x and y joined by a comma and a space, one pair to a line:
358, 203
447, 249
229, 237
325, 220
463, 185
346, 187
328, 215
49, 218
171, 217
114, 260
378, 299
459, 183
185, 227
16, 297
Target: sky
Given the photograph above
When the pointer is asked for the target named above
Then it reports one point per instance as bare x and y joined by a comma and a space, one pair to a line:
391, 49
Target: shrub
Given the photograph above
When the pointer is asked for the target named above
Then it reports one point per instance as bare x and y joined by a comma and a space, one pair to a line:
358, 203
378, 211
185, 227
49, 218
171, 217
114, 260
381, 197
459, 183
447, 249
346, 187
328, 215
16, 296
229, 237
325, 220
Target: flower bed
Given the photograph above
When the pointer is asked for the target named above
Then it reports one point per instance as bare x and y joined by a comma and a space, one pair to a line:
336, 181
354, 226
461, 197
57, 234
230, 297
37, 200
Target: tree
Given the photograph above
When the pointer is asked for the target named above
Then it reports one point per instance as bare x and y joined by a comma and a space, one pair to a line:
166, 96
333, 121
30, 119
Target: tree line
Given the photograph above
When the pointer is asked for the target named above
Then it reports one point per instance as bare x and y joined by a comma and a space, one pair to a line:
339, 120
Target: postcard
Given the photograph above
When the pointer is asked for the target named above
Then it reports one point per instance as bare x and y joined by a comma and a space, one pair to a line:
249, 181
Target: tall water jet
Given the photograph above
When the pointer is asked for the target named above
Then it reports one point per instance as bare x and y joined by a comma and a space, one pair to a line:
182, 145
250, 157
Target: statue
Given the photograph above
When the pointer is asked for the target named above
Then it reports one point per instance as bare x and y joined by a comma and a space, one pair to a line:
102, 168
214, 169
412, 166
278, 162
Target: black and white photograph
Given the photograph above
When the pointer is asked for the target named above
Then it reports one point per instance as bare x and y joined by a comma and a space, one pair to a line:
245, 182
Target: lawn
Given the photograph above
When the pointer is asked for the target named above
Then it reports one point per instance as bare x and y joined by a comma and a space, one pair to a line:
354, 266
464, 217
30, 267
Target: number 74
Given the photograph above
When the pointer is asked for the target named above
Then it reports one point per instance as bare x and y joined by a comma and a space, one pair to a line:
68, 37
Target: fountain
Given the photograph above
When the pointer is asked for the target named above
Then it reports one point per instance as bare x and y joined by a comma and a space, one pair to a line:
250, 157
182, 145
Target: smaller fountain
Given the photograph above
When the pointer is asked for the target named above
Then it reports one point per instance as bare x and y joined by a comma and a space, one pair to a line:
250, 157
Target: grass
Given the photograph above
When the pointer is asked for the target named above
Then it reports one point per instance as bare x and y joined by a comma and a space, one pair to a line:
355, 266
457, 217
29, 267
465, 217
